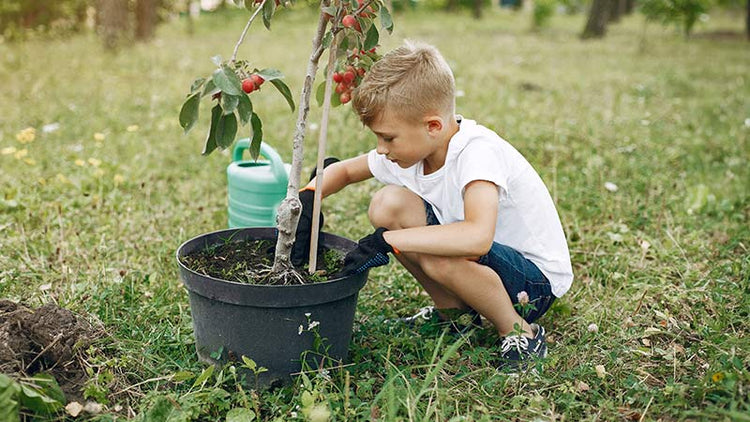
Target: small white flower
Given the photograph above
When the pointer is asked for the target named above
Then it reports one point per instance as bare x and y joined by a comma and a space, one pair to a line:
600, 371
312, 325
307, 314
50, 127
523, 297
593, 328
610, 186
300, 330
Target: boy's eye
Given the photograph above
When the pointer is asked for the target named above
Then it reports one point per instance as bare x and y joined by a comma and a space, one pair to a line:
387, 139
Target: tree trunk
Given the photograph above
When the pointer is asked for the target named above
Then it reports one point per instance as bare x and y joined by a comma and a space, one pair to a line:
629, 6
747, 21
617, 10
596, 25
477, 9
451, 5
113, 19
145, 19
290, 208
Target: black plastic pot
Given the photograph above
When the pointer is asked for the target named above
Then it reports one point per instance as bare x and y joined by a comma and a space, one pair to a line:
263, 322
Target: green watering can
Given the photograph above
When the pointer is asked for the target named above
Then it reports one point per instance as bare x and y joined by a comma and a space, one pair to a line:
255, 188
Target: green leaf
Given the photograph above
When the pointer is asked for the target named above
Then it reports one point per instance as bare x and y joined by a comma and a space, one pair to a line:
182, 376
249, 363
9, 405
257, 126
227, 80
36, 399
245, 109
210, 88
204, 376
197, 84
239, 414
320, 93
211, 137
327, 39
372, 38
270, 74
330, 10
269, 7
226, 131
386, 21
189, 112
284, 90
229, 102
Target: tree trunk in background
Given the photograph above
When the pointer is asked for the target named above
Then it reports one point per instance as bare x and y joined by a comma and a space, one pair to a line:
145, 19
451, 5
113, 20
617, 10
747, 21
477, 9
629, 6
596, 25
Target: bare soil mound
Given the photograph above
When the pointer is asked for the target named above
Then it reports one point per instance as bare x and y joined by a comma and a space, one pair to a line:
47, 339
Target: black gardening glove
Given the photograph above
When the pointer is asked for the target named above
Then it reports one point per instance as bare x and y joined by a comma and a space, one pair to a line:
301, 248
371, 251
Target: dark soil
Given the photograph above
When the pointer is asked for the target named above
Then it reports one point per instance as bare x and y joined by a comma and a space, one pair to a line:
250, 261
49, 339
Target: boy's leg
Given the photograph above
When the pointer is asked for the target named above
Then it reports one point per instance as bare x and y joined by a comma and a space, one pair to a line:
451, 282
396, 208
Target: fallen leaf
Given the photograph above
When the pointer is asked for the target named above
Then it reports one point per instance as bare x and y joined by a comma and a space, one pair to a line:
74, 408
582, 386
93, 408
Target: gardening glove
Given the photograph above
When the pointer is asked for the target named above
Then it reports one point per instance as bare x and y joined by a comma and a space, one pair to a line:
371, 251
301, 248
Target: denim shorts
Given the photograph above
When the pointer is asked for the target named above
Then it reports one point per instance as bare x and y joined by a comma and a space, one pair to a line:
516, 272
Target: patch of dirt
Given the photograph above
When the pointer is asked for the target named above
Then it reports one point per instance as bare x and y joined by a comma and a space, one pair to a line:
49, 339
250, 261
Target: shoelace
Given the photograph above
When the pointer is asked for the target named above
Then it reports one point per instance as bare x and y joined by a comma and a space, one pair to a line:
423, 313
519, 342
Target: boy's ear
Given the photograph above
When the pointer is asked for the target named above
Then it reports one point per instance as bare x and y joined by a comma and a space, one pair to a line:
434, 124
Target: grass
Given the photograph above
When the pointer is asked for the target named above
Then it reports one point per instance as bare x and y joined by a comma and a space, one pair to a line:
91, 218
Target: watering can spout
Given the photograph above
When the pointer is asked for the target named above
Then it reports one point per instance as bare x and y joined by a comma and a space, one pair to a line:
255, 188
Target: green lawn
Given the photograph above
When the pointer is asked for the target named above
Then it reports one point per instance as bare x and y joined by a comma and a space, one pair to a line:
644, 146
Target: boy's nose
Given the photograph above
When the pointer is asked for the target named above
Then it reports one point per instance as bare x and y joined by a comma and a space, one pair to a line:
381, 149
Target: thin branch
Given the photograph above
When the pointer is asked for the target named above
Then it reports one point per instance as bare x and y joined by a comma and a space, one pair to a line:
244, 31
322, 139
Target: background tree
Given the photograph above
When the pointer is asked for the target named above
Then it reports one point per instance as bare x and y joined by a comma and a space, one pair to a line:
599, 15
113, 21
145, 19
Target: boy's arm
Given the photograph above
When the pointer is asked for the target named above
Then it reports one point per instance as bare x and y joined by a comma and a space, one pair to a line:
471, 238
338, 175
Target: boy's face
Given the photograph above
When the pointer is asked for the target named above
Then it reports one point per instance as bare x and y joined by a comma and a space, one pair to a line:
404, 142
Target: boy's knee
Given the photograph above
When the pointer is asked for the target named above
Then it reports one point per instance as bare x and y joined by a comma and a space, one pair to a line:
386, 206
438, 268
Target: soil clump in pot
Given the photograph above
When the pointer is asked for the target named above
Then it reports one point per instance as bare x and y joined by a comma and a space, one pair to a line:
250, 261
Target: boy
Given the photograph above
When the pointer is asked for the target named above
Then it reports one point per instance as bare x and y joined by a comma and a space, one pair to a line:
462, 211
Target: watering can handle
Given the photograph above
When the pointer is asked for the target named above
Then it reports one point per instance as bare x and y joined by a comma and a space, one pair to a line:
277, 165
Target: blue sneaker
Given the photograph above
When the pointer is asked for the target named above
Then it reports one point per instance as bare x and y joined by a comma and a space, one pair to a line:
519, 353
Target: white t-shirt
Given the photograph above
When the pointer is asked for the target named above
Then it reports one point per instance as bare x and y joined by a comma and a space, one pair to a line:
527, 220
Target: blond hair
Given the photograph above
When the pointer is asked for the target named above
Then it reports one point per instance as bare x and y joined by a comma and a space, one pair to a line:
411, 82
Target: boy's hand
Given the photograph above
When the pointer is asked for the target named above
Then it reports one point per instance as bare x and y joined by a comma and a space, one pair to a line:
371, 251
